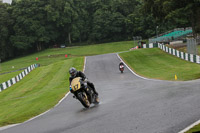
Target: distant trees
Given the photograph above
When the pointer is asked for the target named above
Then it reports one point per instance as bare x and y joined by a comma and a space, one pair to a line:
6, 48
177, 13
33, 25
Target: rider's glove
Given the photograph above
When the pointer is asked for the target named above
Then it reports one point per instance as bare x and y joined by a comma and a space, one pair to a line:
70, 89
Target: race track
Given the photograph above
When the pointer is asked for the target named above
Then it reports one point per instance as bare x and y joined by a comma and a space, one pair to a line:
129, 104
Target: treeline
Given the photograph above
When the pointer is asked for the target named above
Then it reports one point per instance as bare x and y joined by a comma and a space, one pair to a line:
32, 25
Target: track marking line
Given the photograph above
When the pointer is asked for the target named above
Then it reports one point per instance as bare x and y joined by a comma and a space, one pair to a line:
134, 72
189, 127
182, 131
84, 64
13, 125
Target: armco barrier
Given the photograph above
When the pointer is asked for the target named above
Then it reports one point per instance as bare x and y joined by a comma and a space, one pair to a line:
182, 55
17, 78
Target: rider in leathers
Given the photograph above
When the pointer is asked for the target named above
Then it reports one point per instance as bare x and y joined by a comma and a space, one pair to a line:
74, 73
121, 63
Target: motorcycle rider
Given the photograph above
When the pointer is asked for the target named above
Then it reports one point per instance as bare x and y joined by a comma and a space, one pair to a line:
121, 63
74, 74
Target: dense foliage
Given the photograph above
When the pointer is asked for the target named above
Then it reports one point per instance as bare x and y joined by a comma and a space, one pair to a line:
178, 13
32, 25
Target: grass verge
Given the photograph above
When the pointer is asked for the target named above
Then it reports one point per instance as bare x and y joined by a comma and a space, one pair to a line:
37, 92
53, 55
195, 129
155, 63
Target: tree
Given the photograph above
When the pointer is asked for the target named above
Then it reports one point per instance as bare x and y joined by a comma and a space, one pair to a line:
69, 18
181, 13
6, 49
184, 13
107, 25
31, 28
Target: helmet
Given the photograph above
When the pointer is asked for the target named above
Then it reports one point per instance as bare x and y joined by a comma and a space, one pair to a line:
73, 72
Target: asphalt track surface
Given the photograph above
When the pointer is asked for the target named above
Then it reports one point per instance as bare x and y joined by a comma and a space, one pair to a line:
129, 104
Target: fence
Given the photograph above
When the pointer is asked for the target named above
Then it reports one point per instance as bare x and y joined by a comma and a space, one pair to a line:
17, 78
186, 56
192, 46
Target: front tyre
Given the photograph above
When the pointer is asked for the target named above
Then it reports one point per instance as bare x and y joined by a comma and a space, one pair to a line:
83, 98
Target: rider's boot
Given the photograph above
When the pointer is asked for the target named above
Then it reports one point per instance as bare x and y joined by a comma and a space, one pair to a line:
95, 91
93, 88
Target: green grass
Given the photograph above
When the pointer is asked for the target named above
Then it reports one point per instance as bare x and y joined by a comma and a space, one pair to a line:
53, 55
194, 129
37, 92
155, 63
50, 56
6, 77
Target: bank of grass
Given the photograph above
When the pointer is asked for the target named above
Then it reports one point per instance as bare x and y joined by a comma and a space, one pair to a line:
195, 129
37, 92
53, 55
155, 63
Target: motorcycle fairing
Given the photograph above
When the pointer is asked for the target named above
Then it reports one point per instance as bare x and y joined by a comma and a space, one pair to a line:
76, 85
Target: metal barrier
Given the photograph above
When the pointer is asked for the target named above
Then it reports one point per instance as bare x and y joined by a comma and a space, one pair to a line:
182, 55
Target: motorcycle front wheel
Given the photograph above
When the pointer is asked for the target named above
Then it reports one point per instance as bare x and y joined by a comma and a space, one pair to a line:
83, 98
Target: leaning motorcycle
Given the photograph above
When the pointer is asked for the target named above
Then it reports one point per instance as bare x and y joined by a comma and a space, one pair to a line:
83, 92
121, 68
